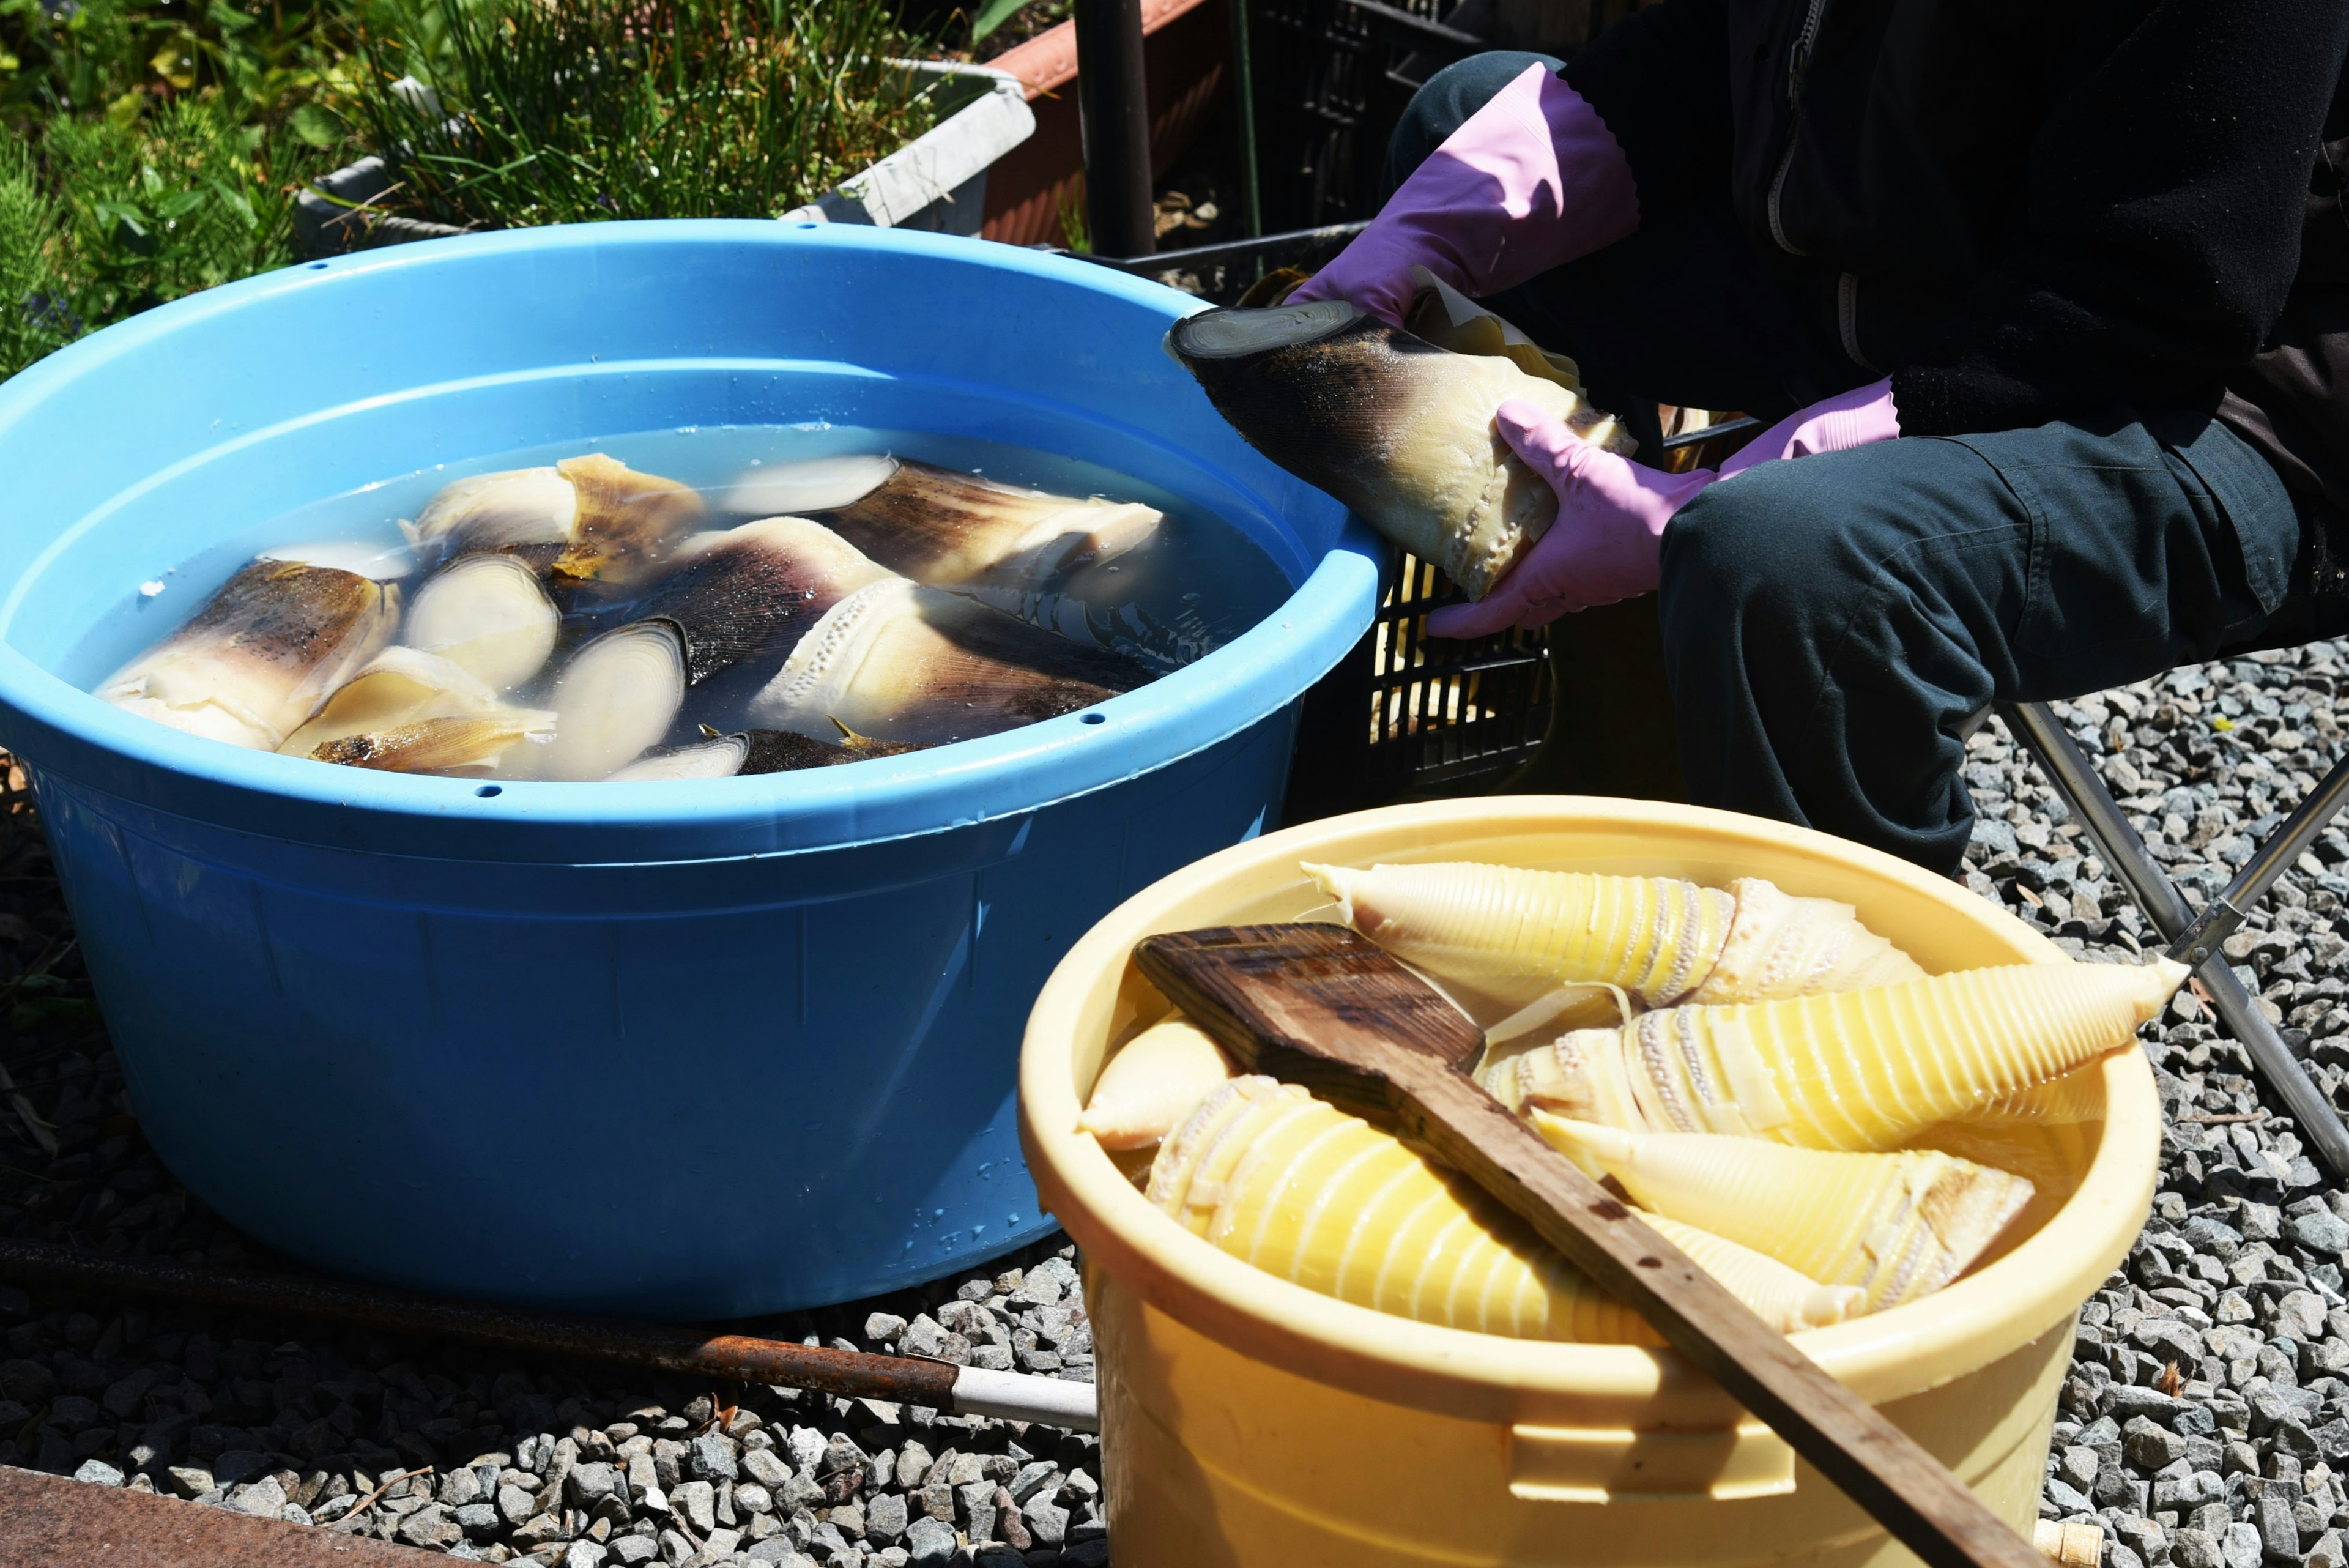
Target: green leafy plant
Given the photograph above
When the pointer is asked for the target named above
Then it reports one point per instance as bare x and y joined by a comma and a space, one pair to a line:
124, 57
991, 16
99, 220
148, 149
631, 109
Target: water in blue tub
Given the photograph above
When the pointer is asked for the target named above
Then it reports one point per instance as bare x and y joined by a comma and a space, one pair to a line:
692, 603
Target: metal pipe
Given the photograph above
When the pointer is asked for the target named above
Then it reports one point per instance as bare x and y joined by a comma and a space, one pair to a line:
1737, 426
1113, 116
2069, 771
670, 1347
1272, 247
1244, 86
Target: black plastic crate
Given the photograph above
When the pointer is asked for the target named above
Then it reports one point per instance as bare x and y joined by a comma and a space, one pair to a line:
1407, 716
1329, 87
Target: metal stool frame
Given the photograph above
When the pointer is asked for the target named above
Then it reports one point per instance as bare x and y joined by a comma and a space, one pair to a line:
2194, 938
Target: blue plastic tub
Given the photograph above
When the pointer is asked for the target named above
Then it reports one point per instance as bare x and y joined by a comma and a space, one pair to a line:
691, 1049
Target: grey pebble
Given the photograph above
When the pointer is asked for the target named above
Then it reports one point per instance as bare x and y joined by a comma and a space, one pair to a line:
927, 1542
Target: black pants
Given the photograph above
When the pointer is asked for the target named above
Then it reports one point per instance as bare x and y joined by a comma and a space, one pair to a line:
1830, 624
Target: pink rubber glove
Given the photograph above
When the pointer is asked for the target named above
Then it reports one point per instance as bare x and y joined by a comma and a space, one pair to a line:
1532, 180
1608, 537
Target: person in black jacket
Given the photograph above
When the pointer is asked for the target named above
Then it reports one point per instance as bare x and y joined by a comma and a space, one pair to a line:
2048, 302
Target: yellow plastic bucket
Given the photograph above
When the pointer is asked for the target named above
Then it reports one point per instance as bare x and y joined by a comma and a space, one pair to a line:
1249, 1420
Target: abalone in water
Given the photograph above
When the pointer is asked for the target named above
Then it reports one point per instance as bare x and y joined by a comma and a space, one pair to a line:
488, 614
899, 662
1397, 429
949, 529
401, 688
261, 655
585, 517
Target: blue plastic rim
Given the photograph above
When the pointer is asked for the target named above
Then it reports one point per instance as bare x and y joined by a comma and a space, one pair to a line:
691, 1049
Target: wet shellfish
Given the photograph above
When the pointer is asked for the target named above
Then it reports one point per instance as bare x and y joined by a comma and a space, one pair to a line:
1397, 429
585, 517
261, 655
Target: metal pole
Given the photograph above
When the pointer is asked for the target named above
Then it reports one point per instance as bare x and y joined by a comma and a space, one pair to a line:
2268, 862
669, 1347
1244, 86
2125, 852
1113, 112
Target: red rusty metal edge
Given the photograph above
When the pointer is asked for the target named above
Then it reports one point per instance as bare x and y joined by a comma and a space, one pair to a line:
52, 1522
1048, 60
853, 1374
1185, 48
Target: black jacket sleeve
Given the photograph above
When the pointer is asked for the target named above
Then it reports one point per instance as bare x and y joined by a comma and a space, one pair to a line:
2159, 232
1660, 79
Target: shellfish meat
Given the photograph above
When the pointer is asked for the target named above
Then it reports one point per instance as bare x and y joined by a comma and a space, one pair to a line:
466, 744
260, 654
1329, 1201
402, 686
745, 595
615, 697
1897, 1226
1844, 1070
958, 530
899, 662
585, 517
1155, 1080
488, 614
1516, 936
1397, 429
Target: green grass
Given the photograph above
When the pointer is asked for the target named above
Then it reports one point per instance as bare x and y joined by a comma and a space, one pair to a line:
148, 150
152, 148
631, 108
100, 220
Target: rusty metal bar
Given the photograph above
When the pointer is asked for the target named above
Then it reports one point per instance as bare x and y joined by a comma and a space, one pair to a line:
671, 1347
54, 1522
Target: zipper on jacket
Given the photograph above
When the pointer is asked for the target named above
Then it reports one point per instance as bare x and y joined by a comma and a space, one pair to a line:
1848, 320
1798, 62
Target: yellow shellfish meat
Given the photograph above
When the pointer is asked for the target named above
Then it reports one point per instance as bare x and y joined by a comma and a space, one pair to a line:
1851, 1070
1897, 1226
1326, 1200
1155, 1080
1515, 934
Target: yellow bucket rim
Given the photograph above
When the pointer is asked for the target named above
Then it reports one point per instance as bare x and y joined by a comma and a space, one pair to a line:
2033, 1289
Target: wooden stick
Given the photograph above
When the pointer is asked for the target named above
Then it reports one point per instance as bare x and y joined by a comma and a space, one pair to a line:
1321, 1006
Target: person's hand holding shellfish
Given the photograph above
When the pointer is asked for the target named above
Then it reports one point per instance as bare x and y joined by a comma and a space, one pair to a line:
1605, 543
1607, 540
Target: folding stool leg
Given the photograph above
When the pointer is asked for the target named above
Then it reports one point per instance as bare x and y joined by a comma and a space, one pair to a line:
2194, 940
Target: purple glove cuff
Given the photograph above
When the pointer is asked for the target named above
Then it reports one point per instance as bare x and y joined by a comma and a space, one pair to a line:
1564, 183
1860, 417
1532, 180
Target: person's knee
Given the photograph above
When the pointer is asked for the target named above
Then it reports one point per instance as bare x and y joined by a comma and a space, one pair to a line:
1768, 547
1448, 99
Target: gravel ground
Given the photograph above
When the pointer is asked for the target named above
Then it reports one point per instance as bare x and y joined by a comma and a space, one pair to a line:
2206, 1421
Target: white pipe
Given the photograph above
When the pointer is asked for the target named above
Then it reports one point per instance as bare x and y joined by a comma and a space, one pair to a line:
1024, 1397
